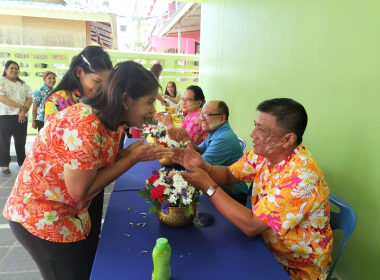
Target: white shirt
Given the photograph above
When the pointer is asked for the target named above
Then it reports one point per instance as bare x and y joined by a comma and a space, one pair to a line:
172, 104
17, 92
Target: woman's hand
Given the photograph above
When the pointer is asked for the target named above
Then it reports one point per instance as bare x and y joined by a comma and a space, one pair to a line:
165, 119
188, 158
148, 152
34, 125
198, 178
125, 152
178, 134
24, 108
21, 117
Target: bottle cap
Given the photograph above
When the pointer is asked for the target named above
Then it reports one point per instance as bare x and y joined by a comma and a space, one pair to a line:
162, 242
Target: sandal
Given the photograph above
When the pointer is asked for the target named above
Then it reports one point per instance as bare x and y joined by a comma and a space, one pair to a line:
6, 171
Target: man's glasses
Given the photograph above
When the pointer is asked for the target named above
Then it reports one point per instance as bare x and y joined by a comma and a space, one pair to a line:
187, 99
204, 116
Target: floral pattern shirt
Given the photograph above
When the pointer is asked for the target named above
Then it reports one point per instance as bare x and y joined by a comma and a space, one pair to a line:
292, 198
60, 100
39, 97
75, 139
193, 126
17, 92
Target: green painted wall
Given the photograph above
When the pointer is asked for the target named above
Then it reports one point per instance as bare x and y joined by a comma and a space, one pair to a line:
31, 58
324, 54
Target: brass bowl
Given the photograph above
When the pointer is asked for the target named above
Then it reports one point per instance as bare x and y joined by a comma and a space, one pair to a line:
150, 139
176, 217
167, 162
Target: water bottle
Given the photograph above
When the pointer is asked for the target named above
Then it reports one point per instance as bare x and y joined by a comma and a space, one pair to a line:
161, 260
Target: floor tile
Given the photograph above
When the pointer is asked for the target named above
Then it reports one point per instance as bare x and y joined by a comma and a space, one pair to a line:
3, 252
27, 275
18, 260
4, 192
7, 237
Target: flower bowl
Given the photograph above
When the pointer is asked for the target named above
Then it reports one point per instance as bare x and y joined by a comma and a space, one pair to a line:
176, 216
167, 162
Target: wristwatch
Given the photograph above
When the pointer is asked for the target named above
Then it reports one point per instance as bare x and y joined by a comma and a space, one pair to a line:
211, 190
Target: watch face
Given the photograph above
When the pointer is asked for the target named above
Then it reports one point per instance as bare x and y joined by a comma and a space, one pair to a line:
210, 191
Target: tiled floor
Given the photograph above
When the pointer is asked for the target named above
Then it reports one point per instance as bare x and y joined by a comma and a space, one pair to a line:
15, 262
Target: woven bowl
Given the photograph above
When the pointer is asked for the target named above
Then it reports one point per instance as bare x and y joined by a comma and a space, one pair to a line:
167, 162
176, 217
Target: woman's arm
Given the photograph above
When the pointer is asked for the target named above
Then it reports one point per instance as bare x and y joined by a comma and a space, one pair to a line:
83, 183
34, 114
10, 102
174, 99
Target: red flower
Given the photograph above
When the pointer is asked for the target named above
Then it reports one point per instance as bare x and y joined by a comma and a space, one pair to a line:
163, 144
150, 129
153, 178
157, 193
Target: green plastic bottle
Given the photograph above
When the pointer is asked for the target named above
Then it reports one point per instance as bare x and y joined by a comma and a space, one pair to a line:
161, 260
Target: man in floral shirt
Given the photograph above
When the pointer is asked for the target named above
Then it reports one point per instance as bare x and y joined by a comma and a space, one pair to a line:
290, 208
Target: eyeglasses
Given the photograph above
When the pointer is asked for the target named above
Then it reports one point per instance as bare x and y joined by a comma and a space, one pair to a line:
187, 99
201, 116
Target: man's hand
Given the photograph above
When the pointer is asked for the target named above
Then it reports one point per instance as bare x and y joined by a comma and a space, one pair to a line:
188, 158
178, 134
198, 178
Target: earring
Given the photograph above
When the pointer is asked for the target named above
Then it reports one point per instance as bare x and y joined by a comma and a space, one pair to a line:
125, 108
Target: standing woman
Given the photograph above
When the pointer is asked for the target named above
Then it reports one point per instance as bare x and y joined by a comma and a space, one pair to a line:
87, 72
73, 158
15, 100
39, 98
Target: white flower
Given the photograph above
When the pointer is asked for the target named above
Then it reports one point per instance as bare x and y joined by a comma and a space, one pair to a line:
319, 256
110, 151
26, 176
50, 217
74, 164
315, 236
318, 221
70, 138
26, 214
301, 250
248, 169
173, 198
292, 220
40, 224
65, 231
27, 197
257, 189
61, 176
272, 192
54, 195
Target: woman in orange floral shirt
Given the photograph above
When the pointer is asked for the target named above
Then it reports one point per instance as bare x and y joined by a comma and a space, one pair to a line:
73, 158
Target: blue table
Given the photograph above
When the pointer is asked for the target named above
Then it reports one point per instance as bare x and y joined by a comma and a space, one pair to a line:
218, 250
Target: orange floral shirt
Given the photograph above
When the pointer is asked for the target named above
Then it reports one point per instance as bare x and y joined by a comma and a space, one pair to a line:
292, 198
75, 139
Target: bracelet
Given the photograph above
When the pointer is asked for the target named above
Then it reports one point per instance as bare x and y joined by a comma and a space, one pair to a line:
209, 167
187, 142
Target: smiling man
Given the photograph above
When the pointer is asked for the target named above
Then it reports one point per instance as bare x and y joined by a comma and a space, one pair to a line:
221, 147
290, 208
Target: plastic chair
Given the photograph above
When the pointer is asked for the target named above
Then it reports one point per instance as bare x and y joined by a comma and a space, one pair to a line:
242, 143
344, 220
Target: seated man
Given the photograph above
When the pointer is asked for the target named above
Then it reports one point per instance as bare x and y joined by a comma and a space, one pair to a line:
221, 147
289, 196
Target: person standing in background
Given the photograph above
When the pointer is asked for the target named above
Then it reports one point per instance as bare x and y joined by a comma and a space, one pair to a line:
16, 97
39, 98
172, 96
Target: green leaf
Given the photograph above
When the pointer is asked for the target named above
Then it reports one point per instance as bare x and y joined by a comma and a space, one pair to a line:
152, 209
189, 210
145, 194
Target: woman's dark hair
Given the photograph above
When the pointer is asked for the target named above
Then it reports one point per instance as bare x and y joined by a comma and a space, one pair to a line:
175, 89
155, 69
7, 64
92, 59
129, 77
198, 94
290, 115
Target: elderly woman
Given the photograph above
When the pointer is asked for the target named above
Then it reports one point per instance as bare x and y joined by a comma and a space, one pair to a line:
15, 100
192, 102
39, 98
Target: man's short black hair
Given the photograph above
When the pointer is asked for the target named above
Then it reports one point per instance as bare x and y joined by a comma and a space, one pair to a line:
290, 115
223, 109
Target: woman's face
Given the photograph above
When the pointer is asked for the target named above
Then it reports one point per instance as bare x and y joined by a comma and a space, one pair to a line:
170, 89
91, 82
189, 105
50, 81
11, 73
140, 110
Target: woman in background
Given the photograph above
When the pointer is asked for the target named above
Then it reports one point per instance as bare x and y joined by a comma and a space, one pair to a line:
16, 96
172, 96
39, 98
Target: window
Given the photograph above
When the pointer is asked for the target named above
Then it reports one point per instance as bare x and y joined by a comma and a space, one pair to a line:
123, 28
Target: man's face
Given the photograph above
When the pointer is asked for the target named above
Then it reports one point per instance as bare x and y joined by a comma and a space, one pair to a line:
267, 137
211, 123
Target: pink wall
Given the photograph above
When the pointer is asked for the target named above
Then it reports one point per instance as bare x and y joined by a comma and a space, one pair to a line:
187, 45
195, 36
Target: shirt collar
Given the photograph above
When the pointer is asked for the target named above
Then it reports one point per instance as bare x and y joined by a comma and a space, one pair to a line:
224, 127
